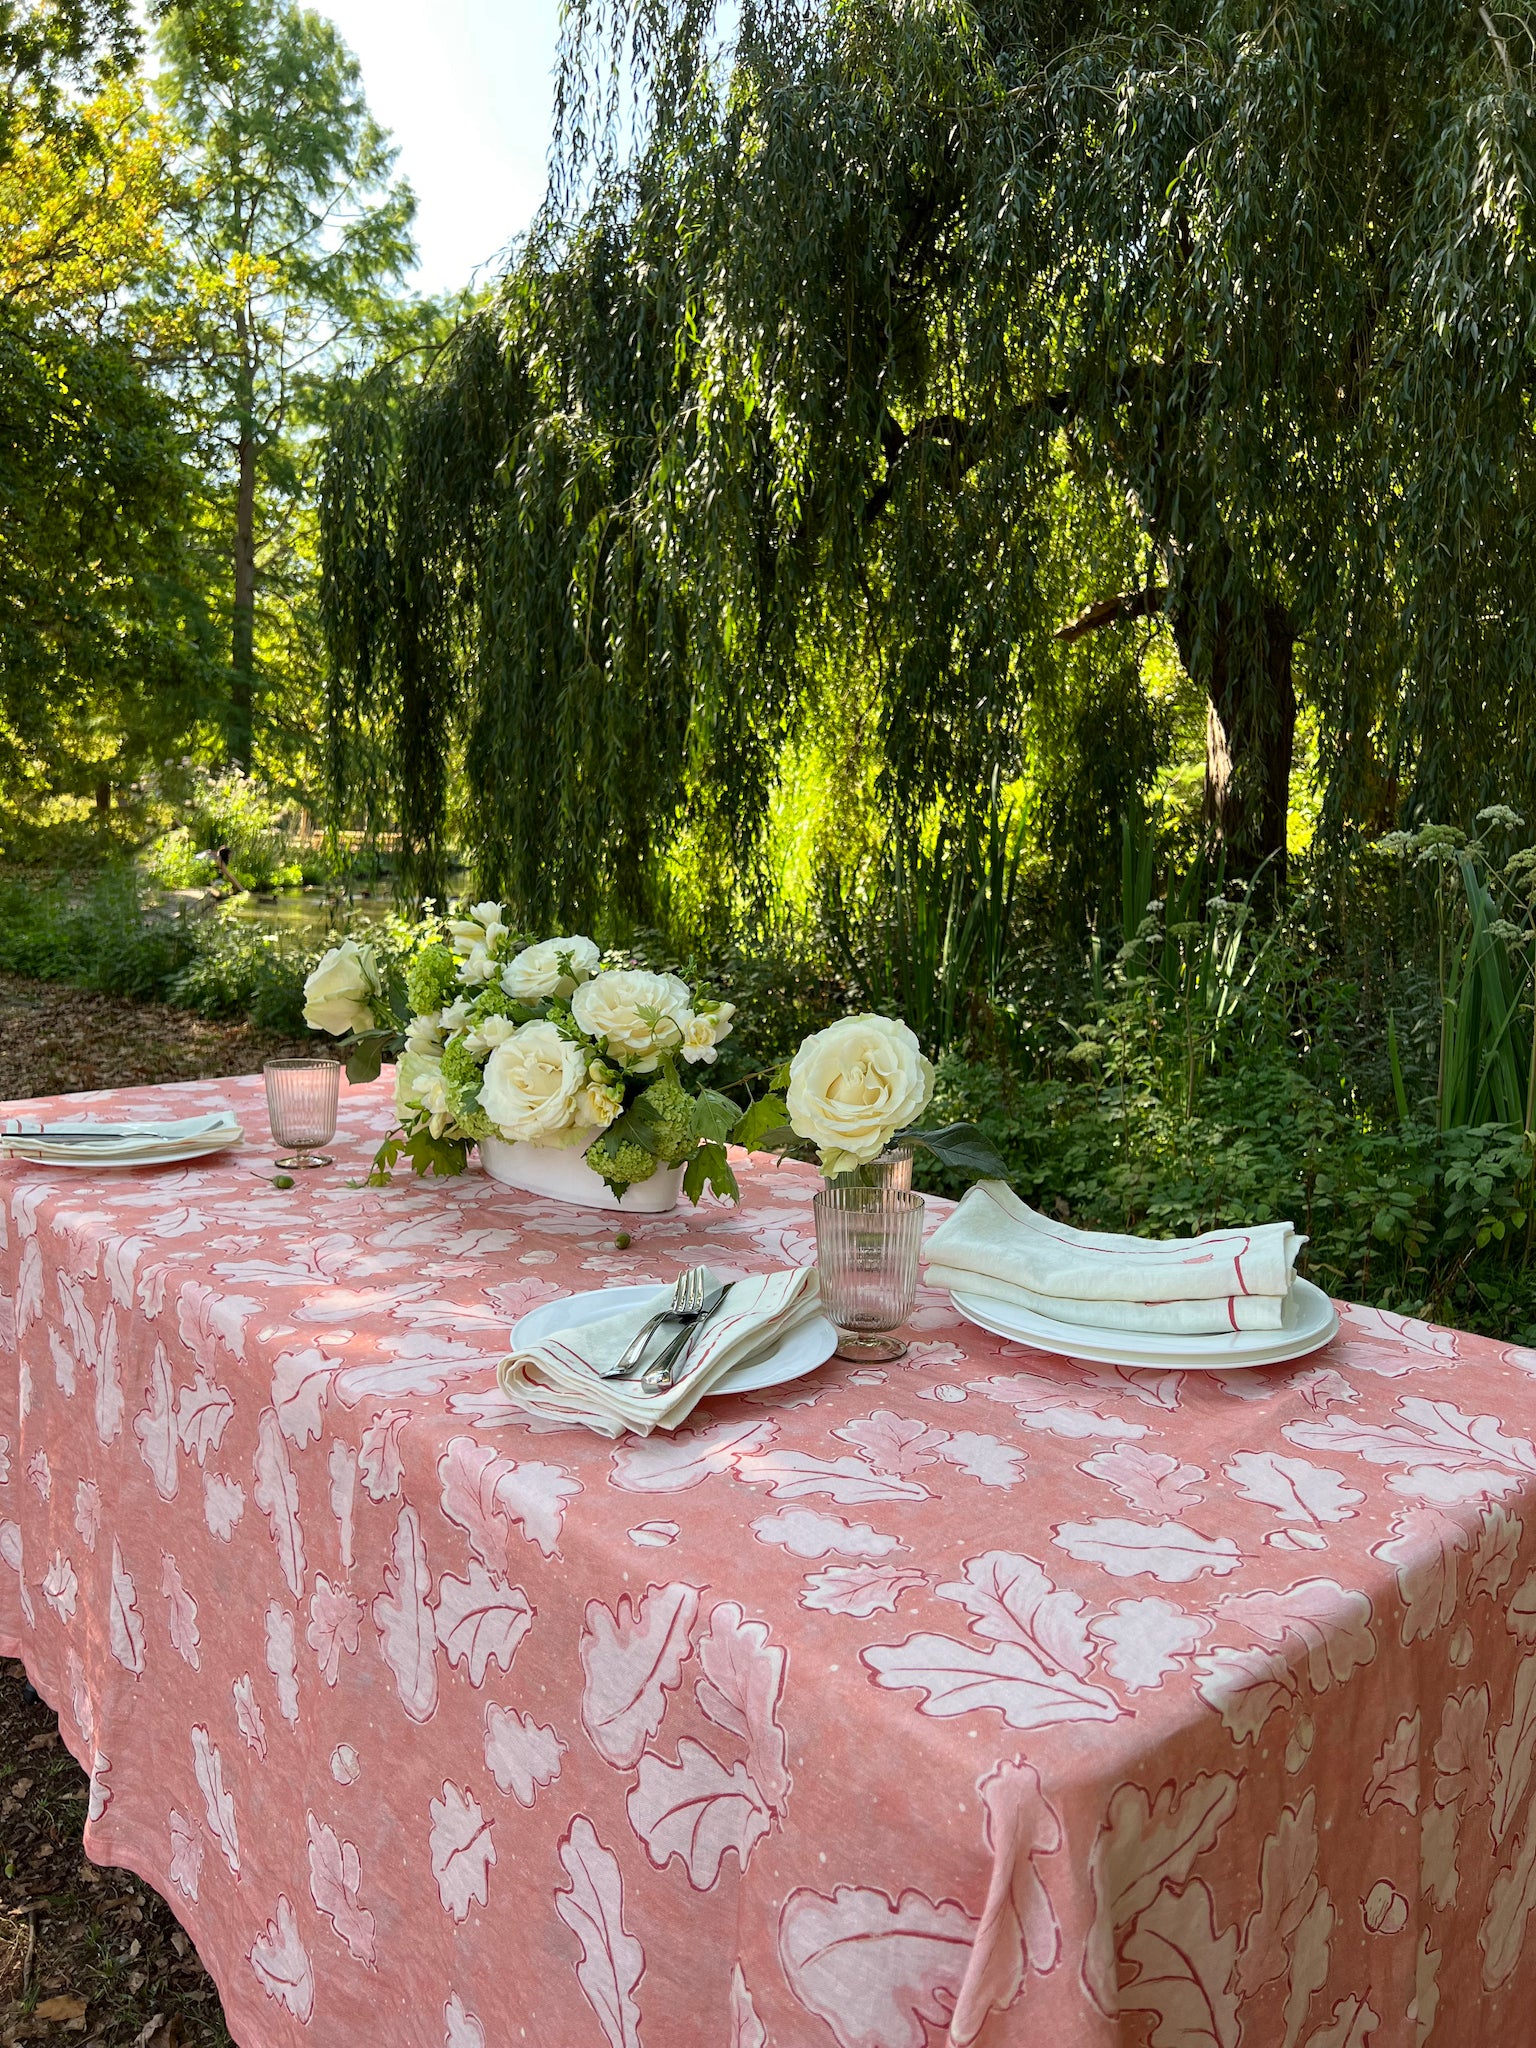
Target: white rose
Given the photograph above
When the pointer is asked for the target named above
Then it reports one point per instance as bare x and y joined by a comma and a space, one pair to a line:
854, 1085
339, 995
702, 1033
419, 1089
596, 1106
478, 969
425, 1033
489, 1033
487, 914
531, 1083
465, 933
640, 1014
551, 968
456, 1015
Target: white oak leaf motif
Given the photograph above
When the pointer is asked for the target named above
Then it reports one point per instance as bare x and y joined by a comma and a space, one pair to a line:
1183, 1970
484, 1493
155, 1427
519, 1754
1295, 1488
405, 1622
804, 1532
632, 1658
181, 1615
746, 2029
1147, 1639
697, 1810
61, 1586
220, 1803
1011, 1599
203, 1413
125, 1625
481, 1620
87, 1507
740, 1691
1019, 1931
1395, 1773
463, 2028
1151, 1482
859, 1589
592, 1905
301, 1381
1245, 1687
461, 1848
223, 1505
1008, 1678
343, 1471
248, 1717
334, 1876
1165, 1551
378, 1459
1499, 1536
335, 1625
1353, 2023
796, 1475
879, 1971
276, 1493
1287, 1887
1143, 1843
186, 1866
282, 1657
1423, 1549
1330, 1623
282, 1964
666, 1463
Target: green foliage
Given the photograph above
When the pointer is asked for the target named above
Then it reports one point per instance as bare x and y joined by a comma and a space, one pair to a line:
432, 980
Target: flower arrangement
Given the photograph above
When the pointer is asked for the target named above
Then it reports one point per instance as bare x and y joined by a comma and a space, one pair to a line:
538, 1044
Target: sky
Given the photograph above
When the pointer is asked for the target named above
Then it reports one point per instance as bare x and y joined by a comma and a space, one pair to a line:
466, 88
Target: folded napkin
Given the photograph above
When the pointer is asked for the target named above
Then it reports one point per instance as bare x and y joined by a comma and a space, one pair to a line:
121, 1144
558, 1377
996, 1246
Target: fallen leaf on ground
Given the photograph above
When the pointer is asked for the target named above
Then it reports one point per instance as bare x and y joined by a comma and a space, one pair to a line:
65, 2007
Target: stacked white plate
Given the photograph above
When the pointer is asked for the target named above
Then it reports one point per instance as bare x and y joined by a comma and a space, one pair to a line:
1310, 1322
80, 1142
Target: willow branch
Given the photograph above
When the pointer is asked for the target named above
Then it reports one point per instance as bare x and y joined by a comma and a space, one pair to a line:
1114, 611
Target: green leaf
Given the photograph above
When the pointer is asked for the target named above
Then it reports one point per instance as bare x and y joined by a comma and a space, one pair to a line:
638, 1125
709, 1165
962, 1148
443, 1158
386, 1157
365, 1055
762, 1126
715, 1116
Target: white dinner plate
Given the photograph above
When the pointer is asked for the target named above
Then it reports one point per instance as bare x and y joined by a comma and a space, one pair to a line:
164, 1144
798, 1353
99, 1161
1310, 1322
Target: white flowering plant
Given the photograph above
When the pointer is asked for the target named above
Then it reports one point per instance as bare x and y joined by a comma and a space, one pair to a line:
538, 1043
851, 1092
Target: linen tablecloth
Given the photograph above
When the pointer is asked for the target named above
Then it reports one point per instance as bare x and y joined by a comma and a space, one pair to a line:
986, 1699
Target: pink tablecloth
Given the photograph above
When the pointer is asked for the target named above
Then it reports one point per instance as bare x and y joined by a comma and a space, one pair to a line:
985, 1700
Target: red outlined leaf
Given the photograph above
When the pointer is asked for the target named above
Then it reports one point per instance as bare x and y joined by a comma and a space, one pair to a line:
519, 1754
1152, 1482
379, 1455
282, 1964
335, 1624
592, 1906
1183, 1971
805, 1532
1165, 1551
484, 1494
283, 1660
220, 1804
87, 1508
248, 1715
697, 1810
1143, 1843
1019, 1931
892, 1443
181, 1617
1424, 1549
1007, 1679
125, 1625
1287, 1889
276, 1493
747, 2030
186, 1866
462, 1850
405, 1622
1295, 1488
203, 1413
1331, 1624
878, 1971
481, 1620
463, 2028
675, 1463
632, 1659
343, 1471
1011, 1600
223, 1505
1395, 1773
859, 1589
1245, 1687
740, 1690
155, 1427
301, 1381
334, 1876
796, 1475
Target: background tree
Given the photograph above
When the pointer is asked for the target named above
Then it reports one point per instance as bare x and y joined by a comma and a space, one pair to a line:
293, 238
845, 321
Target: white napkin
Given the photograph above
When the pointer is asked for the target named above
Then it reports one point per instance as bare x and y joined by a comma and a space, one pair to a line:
997, 1246
558, 1378
121, 1144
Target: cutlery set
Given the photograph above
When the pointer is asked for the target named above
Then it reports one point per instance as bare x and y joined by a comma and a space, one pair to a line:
696, 1297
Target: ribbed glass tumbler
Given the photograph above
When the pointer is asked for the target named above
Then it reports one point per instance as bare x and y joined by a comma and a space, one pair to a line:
867, 1241
301, 1107
893, 1169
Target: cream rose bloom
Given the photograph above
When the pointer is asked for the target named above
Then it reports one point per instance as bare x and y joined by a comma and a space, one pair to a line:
541, 971
478, 969
419, 1090
640, 1014
532, 1081
339, 995
597, 1106
854, 1085
703, 1033
488, 1034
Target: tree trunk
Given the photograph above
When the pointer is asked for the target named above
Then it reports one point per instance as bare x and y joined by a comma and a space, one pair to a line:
1239, 648
103, 799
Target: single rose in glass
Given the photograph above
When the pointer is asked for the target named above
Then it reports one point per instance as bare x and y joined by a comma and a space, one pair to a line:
554, 967
854, 1085
340, 994
532, 1081
638, 1013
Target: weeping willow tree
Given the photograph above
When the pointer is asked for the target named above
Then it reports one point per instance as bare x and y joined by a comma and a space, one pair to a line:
835, 309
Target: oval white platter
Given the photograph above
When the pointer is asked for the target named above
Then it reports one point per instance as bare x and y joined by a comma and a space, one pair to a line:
1311, 1321
802, 1351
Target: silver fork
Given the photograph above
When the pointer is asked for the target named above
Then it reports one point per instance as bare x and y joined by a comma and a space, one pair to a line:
687, 1299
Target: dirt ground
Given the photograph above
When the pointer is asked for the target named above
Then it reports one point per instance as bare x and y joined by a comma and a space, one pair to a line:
90, 1955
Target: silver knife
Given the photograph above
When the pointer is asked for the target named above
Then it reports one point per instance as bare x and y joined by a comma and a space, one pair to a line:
665, 1372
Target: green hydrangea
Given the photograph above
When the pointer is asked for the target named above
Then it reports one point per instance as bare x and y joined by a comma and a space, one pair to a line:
462, 1075
491, 1002
431, 979
671, 1106
474, 1123
621, 1164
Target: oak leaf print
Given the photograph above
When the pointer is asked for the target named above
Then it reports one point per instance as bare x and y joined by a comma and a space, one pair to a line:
1463, 1758
220, 1804
592, 1905
740, 1690
463, 2029
891, 1443
1165, 1551
1423, 1549
186, 1867
378, 1458
798, 1475
678, 1462
181, 1614
697, 1810
879, 1971
334, 1876
1019, 1931
1011, 1600
1512, 1749
1245, 1687
40, 1475
461, 1848
223, 1505
484, 1494
1056, 1409
481, 1620
859, 1589
1395, 1773
203, 1413
61, 1587
248, 1717
519, 1754
155, 1427
1384, 1910
1143, 1843
1008, 1678
747, 2030
1295, 1488
87, 1510
1152, 1482
283, 1660
1146, 1639
1183, 1970
986, 1458
406, 1625
109, 1384
343, 1471
282, 1964
1352, 2025
1502, 1934
1499, 1536
335, 1624
301, 1380
11, 1554
125, 1626
1330, 1624
1287, 1887
276, 1493
632, 1658
804, 1532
